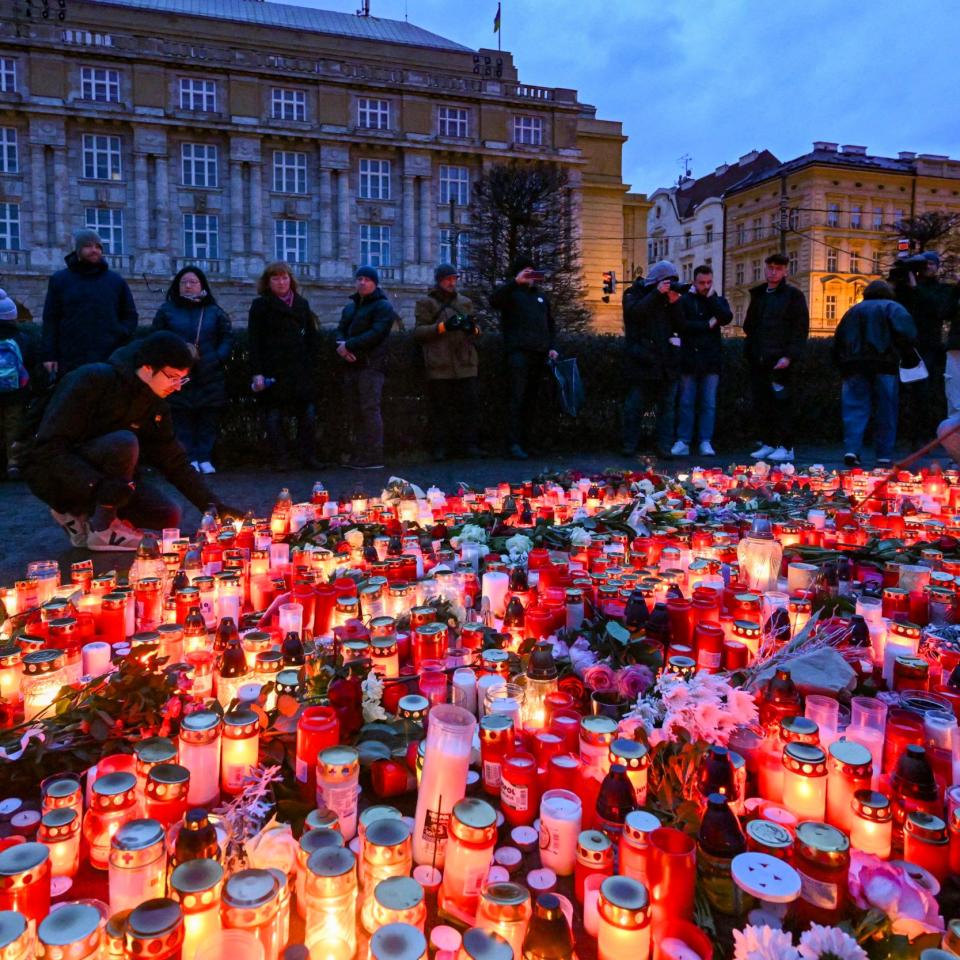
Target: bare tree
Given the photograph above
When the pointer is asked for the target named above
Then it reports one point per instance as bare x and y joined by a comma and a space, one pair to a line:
526, 209
938, 229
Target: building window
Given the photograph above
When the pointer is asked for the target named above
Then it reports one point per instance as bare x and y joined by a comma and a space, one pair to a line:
86, 38
201, 236
831, 260
774, 224
8, 75
687, 239
454, 185
289, 172
833, 215
463, 248
794, 266
99, 84
898, 216
686, 272
830, 307
666, 247
374, 245
708, 234
9, 226
876, 261
856, 217
741, 234
101, 157
738, 314
108, 222
854, 261
878, 218
528, 130
199, 164
288, 104
290, 240
373, 114
651, 252
758, 228
9, 162
755, 270
453, 122
374, 179
198, 95
738, 273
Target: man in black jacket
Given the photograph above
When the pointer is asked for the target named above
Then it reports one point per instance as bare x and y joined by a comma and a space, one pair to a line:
705, 313
776, 327
89, 310
651, 322
529, 340
361, 343
102, 422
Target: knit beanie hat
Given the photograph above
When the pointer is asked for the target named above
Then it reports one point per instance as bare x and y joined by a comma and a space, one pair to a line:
663, 270
520, 263
8, 309
445, 270
83, 238
369, 272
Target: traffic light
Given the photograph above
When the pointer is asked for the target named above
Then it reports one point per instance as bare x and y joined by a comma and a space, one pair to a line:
609, 284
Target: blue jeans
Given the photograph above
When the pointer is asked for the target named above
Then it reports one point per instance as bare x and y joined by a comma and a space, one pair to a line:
861, 395
705, 385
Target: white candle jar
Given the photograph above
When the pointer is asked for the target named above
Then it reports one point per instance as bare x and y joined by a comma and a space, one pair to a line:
386, 853
197, 885
805, 781
200, 753
240, 748
72, 932
251, 901
43, 676
338, 775
332, 897
624, 920
138, 864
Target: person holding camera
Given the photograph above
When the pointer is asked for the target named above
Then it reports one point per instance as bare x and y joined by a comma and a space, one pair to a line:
776, 326
652, 319
446, 332
529, 339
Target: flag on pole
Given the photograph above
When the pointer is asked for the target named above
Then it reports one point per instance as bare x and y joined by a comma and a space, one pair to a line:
496, 20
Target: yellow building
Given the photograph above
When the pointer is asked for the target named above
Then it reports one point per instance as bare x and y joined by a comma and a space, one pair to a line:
833, 211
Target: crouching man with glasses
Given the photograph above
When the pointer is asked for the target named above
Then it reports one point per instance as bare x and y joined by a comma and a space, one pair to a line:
102, 423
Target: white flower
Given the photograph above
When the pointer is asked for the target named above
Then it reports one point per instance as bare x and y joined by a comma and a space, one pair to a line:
581, 656
273, 846
580, 514
788, 470
372, 689
472, 533
763, 943
518, 546
580, 537
643, 486
817, 942
354, 537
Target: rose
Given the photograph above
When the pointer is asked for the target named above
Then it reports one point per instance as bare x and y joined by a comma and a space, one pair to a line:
634, 680
600, 678
873, 883
274, 847
354, 537
573, 686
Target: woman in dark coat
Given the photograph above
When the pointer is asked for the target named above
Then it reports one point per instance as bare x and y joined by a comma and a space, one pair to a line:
284, 349
191, 312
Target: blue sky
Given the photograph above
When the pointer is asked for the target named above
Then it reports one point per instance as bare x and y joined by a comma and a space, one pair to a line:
721, 77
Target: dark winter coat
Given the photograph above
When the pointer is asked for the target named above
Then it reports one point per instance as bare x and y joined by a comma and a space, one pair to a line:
932, 305
285, 346
777, 324
206, 325
28, 341
701, 349
649, 321
364, 326
92, 401
88, 313
526, 319
451, 355
872, 337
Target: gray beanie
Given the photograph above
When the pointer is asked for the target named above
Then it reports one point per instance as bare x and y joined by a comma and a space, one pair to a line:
663, 270
83, 238
8, 309
443, 271
369, 272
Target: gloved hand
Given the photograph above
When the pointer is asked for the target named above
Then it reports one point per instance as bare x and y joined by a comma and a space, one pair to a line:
114, 492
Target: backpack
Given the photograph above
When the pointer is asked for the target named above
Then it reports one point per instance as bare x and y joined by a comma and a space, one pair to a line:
13, 374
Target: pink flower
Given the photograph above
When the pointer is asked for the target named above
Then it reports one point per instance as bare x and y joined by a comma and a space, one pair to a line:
600, 678
874, 883
634, 680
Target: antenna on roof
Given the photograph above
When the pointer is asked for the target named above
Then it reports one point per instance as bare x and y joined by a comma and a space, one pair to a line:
364, 10
684, 162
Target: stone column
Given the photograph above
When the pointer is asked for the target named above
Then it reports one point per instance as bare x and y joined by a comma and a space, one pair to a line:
38, 171
256, 211
163, 206
141, 193
409, 221
61, 195
237, 266
326, 213
426, 221
343, 217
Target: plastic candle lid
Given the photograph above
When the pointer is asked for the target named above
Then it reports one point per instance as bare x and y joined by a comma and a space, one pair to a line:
765, 877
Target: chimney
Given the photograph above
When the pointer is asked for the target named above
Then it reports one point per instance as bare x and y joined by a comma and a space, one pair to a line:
853, 149
722, 169
748, 158
906, 155
825, 146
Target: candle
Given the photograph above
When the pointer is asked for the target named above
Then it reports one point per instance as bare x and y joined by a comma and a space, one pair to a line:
60, 831
240, 748
25, 880
386, 853
113, 802
624, 920
805, 781
95, 658
43, 676
199, 752
251, 901
635, 845
155, 929
672, 869
317, 728
822, 858
338, 772
594, 856
465, 689
197, 885
560, 821
472, 834
137, 864
871, 823
494, 587
399, 941
332, 897
73, 930
505, 908
484, 945
850, 769
925, 843
398, 900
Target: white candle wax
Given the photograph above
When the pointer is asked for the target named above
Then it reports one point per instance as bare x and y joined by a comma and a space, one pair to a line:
560, 820
279, 555
494, 587
465, 689
95, 658
673, 948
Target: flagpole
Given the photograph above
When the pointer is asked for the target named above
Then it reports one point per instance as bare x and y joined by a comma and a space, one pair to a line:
500, 31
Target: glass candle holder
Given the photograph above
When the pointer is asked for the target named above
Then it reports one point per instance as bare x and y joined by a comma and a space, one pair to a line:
60, 831
849, 769
71, 932
25, 880
338, 773
239, 750
197, 886
505, 908
398, 900
519, 789
634, 756
312, 841
255, 642
596, 735
200, 736
387, 852
251, 901
634, 849
496, 741
805, 781
471, 838
165, 795
43, 676
155, 929
150, 753
561, 815
926, 843
624, 919
138, 864
821, 854
433, 680
332, 897
384, 656
398, 941
871, 823
483, 945
268, 665
16, 937
113, 802
429, 642
672, 869
594, 856
11, 670
317, 728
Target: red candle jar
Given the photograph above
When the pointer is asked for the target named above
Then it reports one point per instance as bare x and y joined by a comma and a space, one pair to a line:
496, 741
538, 621
519, 795
558, 700
566, 725
735, 655
672, 871
324, 603
680, 612
25, 880
317, 729
708, 646
895, 600
149, 596
547, 745
563, 772
925, 843
429, 642
594, 855
822, 857
903, 728
165, 793
112, 620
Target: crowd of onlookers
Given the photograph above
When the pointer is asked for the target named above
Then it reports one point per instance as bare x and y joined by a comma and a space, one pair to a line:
96, 388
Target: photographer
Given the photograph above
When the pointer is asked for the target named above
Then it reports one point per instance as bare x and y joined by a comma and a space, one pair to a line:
652, 319
446, 332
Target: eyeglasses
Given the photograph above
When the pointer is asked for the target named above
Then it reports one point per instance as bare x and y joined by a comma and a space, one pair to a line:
173, 378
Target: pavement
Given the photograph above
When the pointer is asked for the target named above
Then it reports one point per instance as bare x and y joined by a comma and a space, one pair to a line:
28, 533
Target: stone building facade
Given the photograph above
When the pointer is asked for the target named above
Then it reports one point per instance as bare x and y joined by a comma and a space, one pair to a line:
230, 133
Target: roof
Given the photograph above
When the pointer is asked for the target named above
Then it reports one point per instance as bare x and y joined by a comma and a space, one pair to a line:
303, 19
716, 184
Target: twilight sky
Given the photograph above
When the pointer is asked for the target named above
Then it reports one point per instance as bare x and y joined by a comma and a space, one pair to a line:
728, 75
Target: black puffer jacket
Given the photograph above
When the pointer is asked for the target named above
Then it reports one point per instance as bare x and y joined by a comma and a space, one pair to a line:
284, 346
777, 324
702, 349
872, 337
932, 305
364, 326
92, 401
526, 319
206, 324
649, 322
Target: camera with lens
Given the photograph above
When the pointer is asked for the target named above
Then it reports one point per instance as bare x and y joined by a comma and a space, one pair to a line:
677, 287
907, 265
459, 322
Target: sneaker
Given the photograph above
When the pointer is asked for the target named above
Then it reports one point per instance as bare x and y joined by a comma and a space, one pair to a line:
207, 467
764, 450
706, 449
782, 454
680, 449
851, 460
75, 527
118, 536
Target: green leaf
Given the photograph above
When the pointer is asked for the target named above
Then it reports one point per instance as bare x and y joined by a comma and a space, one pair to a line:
618, 633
